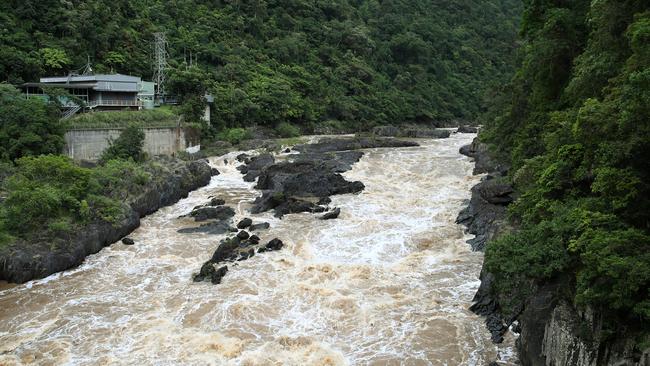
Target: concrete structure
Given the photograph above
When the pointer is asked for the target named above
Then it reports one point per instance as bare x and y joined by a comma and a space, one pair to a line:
88, 144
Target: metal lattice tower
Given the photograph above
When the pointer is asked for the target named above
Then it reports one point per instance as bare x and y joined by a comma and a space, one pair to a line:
160, 63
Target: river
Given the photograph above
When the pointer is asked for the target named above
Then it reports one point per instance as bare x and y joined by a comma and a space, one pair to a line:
388, 283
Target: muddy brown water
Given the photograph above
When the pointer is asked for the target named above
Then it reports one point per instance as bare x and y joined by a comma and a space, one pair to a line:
388, 283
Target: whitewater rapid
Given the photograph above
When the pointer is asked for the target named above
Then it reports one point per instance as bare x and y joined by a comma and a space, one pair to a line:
388, 283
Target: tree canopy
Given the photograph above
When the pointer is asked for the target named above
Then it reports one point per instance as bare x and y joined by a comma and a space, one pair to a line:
272, 61
575, 125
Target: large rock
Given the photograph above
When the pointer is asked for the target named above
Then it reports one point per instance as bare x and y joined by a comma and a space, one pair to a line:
484, 161
227, 250
414, 131
217, 213
212, 228
356, 143
288, 186
467, 129
255, 165
244, 223
483, 218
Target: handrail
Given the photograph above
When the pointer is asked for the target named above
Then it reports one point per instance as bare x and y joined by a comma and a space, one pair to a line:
114, 102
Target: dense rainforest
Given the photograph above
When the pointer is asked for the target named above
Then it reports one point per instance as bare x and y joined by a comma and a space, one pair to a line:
354, 63
574, 125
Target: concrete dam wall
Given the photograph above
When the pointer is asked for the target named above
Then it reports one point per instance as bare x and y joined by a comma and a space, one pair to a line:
88, 144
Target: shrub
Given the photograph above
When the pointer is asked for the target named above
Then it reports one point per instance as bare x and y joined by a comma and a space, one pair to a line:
128, 146
285, 129
234, 135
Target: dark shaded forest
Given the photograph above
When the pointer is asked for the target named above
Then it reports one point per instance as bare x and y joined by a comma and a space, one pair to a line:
574, 124
339, 62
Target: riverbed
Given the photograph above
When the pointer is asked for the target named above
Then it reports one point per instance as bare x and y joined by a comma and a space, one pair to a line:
387, 283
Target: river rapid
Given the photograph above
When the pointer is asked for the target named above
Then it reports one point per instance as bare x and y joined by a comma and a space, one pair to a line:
387, 283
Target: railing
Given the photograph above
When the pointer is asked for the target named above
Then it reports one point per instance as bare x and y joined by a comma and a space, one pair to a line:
70, 112
114, 103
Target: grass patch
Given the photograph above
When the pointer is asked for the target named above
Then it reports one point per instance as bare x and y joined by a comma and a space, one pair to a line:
160, 117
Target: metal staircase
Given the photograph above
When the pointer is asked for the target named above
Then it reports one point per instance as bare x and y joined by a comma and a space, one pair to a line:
70, 112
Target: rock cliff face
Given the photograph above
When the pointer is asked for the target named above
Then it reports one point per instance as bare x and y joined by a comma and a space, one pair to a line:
40, 258
552, 332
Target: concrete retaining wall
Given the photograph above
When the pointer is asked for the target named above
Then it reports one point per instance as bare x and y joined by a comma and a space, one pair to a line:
88, 144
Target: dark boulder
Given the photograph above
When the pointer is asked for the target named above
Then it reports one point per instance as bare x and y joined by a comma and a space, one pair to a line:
207, 269
226, 250
254, 167
209, 272
496, 191
243, 235
356, 143
332, 214
467, 129
484, 162
260, 226
254, 239
214, 172
128, 241
218, 275
244, 223
217, 202
324, 201
286, 184
426, 133
242, 157
212, 228
207, 213
275, 244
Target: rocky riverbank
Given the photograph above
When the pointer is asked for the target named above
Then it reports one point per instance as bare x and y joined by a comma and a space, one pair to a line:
552, 331
44, 255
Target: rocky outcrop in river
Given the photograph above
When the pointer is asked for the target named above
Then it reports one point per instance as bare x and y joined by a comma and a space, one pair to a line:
27, 260
306, 180
552, 331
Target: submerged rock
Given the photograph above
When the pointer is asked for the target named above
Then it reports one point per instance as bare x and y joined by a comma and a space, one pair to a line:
332, 214
128, 241
260, 226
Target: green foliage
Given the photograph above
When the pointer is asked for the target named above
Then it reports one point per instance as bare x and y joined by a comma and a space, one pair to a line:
27, 126
303, 62
575, 125
127, 146
234, 135
54, 58
285, 129
159, 117
50, 194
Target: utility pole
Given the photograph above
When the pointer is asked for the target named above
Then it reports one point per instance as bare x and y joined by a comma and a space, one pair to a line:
160, 64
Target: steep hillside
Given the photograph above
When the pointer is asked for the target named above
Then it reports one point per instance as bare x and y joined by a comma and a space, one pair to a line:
574, 124
357, 62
